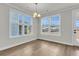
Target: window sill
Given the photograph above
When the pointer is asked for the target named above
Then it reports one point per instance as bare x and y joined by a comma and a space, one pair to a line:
19, 36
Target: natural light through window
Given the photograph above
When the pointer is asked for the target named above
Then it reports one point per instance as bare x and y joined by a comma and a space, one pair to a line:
20, 24
51, 25
45, 23
55, 24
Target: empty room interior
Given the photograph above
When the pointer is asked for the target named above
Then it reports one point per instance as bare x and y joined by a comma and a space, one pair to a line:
39, 29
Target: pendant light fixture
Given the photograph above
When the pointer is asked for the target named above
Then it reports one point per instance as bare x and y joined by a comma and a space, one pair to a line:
36, 14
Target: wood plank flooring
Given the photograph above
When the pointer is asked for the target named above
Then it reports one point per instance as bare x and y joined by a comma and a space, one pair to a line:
41, 48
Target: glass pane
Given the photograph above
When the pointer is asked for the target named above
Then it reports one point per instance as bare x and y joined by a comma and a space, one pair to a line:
28, 29
77, 23
14, 23
13, 17
44, 22
45, 30
25, 29
14, 29
55, 23
27, 20
28, 25
20, 29
20, 19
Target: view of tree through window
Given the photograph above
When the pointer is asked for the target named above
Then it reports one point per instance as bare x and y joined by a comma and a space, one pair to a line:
20, 24
27, 24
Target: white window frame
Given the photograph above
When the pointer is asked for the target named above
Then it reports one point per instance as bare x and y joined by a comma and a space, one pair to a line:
47, 27
49, 30
31, 33
56, 33
19, 12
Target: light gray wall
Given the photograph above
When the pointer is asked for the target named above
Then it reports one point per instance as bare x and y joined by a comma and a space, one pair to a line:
66, 29
5, 41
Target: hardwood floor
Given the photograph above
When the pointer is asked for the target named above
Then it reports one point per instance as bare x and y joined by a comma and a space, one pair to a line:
41, 48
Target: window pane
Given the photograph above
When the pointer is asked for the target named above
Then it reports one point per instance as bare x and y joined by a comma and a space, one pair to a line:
45, 30
13, 17
20, 19
55, 23
13, 23
28, 25
44, 23
77, 23
20, 29
28, 29
14, 29
25, 29
27, 20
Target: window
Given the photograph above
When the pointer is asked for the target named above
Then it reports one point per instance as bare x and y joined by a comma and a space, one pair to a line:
27, 24
55, 24
13, 24
44, 23
77, 23
20, 24
51, 24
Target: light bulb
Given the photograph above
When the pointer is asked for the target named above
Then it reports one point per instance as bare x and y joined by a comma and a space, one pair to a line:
35, 14
39, 15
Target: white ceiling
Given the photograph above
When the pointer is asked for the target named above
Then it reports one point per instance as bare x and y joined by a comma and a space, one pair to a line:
43, 7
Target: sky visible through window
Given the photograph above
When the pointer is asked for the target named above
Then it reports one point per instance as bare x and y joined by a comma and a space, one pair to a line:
77, 23
20, 18
27, 20
45, 21
54, 20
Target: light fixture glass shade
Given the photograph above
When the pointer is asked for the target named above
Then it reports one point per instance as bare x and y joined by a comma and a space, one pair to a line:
35, 14
38, 15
